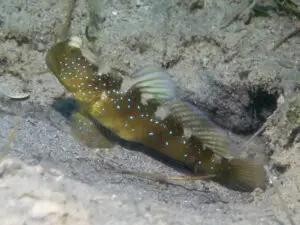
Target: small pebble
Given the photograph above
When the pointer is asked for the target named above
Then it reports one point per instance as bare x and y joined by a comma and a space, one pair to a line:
55, 172
42, 209
9, 167
19, 96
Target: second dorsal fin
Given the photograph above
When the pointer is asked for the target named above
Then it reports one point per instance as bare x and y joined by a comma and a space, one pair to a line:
197, 125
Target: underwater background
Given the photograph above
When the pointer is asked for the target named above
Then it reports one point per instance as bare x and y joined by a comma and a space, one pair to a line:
237, 61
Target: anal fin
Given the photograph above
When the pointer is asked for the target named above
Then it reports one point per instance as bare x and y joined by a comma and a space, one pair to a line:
86, 132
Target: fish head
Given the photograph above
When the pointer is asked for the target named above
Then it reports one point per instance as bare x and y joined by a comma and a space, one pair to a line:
67, 63
55, 54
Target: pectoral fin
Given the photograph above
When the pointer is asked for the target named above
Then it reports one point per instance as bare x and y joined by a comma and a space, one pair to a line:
85, 130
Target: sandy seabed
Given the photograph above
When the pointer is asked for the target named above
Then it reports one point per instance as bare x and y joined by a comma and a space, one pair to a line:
230, 73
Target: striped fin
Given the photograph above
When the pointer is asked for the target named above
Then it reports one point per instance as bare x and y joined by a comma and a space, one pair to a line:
199, 126
153, 82
85, 131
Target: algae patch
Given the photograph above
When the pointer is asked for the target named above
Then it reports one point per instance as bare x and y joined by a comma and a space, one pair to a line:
293, 112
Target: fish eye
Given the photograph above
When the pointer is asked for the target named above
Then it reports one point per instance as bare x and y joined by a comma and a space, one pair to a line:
72, 49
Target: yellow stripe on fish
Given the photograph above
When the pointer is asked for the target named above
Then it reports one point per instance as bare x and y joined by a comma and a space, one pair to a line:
143, 109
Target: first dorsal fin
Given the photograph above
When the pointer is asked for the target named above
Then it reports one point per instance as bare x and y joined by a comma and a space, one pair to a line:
199, 126
153, 82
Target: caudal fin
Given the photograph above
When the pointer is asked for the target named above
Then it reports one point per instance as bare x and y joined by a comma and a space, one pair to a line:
245, 174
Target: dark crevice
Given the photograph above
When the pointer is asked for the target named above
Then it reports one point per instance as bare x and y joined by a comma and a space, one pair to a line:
280, 168
262, 105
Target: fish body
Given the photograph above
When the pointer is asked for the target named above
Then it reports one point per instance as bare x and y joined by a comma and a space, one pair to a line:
100, 98
182, 133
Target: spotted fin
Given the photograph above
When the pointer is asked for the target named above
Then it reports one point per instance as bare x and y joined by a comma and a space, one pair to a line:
152, 82
85, 130
196, 124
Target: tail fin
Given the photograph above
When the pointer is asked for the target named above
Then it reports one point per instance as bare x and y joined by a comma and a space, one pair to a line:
245, 175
